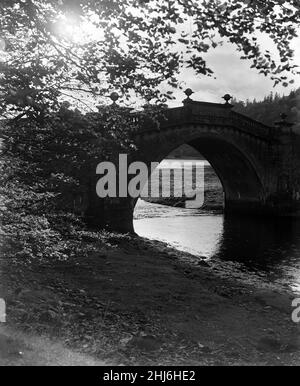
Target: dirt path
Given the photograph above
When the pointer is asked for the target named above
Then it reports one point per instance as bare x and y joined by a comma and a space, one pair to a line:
21, 349
139, 302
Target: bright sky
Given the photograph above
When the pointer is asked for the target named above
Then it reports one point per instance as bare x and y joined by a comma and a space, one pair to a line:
233, 76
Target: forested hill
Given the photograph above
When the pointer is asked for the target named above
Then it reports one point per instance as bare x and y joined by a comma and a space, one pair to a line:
268, 111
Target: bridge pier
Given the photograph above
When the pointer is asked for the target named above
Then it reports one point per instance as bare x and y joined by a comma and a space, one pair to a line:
115, 214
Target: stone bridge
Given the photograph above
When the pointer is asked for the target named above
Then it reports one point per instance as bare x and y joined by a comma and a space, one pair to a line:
258, 165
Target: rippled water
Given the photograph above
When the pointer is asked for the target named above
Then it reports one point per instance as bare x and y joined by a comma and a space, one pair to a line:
263, 248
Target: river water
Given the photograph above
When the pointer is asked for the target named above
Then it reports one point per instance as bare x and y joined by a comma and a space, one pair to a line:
257, 248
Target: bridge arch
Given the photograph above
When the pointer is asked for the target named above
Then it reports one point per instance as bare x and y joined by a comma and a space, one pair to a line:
239, 174
255, 163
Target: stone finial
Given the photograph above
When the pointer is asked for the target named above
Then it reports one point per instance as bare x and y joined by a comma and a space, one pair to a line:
114, 96
188, 92
283, 119
227, 98
283, 116
284, 125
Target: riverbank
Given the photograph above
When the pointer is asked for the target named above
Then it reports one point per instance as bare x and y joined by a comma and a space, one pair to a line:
213, 192
137, 302
213, 201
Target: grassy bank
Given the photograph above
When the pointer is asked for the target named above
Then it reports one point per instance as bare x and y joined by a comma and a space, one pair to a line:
213, 200
133, 301
213, 194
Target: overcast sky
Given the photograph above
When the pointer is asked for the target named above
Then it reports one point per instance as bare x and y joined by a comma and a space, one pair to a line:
233, 76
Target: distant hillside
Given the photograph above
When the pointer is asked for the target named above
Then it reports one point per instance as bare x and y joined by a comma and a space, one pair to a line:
268, 111
185, 152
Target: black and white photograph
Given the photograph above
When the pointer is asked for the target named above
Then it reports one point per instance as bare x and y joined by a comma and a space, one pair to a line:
149, 186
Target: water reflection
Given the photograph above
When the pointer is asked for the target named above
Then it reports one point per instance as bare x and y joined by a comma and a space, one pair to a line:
259, 243
270, 246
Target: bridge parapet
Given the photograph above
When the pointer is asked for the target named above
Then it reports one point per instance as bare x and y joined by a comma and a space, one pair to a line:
209, 114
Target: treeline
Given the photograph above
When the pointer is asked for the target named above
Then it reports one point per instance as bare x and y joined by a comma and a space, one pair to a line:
268, 111
185, 151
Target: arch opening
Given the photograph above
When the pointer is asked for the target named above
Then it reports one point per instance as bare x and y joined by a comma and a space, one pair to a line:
228, 169
183, 166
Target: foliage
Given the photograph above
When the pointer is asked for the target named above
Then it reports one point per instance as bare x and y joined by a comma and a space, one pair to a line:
60, 61
46, 174
268, 111
71, 49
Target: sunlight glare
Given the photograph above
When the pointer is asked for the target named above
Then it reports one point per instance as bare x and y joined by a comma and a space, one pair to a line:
78, 31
